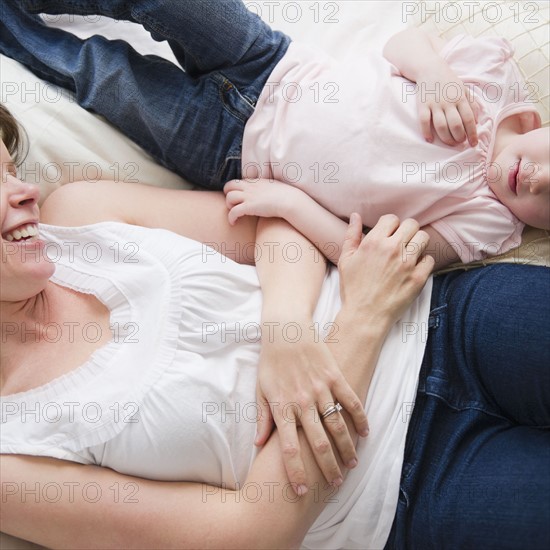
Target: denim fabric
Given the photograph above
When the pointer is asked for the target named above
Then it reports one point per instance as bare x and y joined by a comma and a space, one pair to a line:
191, 121
476, 470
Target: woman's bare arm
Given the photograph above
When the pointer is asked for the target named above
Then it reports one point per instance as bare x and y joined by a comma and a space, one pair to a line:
199, 215
297, 374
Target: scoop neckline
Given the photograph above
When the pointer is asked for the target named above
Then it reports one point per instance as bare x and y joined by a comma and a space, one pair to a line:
119, 314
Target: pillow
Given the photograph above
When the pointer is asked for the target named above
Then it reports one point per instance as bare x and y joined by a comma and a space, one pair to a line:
67, 143
524, 24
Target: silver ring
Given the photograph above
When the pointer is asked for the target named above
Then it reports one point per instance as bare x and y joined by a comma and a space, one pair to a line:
331, 410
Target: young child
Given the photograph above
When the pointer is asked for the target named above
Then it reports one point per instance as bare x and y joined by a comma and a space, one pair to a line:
472, 186
253, 104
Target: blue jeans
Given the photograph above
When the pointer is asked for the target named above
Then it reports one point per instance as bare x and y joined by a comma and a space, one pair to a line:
190, 121
476, 472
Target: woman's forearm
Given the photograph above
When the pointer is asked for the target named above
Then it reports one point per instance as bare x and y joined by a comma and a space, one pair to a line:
297, 375
290, 271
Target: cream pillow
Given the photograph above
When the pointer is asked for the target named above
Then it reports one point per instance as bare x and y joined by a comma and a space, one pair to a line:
68, 143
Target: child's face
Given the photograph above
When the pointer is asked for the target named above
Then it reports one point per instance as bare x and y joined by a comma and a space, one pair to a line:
520, 175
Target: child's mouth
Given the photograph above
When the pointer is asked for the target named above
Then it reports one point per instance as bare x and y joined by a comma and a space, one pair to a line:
513, 177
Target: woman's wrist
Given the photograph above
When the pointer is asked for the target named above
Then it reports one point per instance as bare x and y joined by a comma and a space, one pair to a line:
364, 325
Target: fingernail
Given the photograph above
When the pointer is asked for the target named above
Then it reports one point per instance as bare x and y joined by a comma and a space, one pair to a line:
352, 463
301, 490
364, 432
338, 481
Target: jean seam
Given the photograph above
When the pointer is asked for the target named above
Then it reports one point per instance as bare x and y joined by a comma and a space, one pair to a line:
161, 30
233, 112
474, 406
224, 164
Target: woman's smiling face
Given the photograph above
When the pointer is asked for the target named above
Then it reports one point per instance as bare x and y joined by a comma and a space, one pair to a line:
25, 268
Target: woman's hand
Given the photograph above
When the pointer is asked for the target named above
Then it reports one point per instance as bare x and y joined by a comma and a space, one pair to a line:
298, 379
263, 198
446, 105
383, 272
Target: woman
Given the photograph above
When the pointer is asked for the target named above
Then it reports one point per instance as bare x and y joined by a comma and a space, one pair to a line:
468, 415
173, 288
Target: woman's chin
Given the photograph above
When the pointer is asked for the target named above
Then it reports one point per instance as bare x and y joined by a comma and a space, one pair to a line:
27, 281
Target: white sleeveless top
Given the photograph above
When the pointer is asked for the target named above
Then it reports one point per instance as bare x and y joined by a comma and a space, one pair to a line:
172, 395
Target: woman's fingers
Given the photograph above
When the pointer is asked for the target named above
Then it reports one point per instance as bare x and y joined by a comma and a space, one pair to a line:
264, 424
352, 405
314, 430
385, 227
290, 448
406, 230
336, 426
354, 234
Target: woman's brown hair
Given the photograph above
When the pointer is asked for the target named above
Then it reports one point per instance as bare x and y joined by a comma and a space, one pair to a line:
11, 133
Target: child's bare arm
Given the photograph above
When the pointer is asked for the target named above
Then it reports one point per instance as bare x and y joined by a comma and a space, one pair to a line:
269, 198
274, 199
444, 102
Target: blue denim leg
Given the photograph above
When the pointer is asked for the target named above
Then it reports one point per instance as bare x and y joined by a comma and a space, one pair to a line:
476, 470
191, 121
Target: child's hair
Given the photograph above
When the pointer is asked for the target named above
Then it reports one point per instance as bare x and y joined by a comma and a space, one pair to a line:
12, 134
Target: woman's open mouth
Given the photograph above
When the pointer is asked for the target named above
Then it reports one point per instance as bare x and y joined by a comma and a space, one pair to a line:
513, 177
26, 232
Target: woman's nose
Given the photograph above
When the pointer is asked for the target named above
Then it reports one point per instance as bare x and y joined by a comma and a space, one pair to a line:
23, 194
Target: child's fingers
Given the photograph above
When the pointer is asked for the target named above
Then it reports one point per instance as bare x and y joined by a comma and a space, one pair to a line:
232, 198
469, 120
235, 213
441, 127
232, 185
455, 125
425, 116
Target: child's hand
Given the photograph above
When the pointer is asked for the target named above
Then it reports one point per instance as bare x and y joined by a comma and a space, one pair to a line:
264, 198
447, 105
